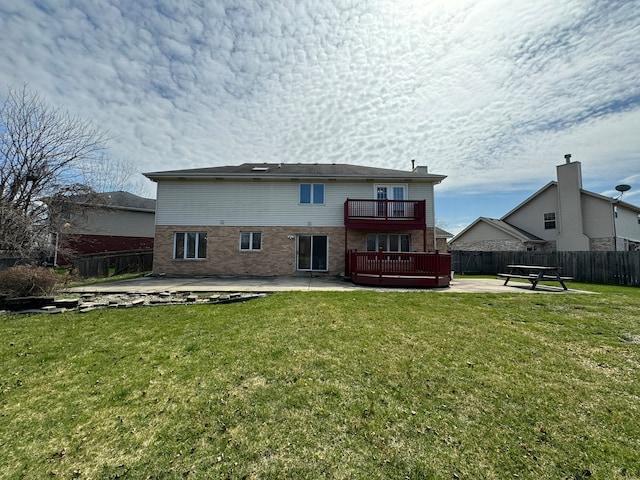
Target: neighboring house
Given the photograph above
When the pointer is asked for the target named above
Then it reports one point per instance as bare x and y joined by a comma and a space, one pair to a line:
115, 221
442, 237
279, 219
559, 217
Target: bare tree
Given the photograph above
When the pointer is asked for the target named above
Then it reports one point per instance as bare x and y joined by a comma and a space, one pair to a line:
107, 174
43, 150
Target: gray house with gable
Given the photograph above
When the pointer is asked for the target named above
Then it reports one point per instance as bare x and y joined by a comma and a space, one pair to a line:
561, 216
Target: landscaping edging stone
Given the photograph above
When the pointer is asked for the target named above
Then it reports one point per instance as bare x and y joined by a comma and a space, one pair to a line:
89, 301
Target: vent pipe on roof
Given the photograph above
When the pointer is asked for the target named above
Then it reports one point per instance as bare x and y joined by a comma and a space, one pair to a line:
567, 158
413, 165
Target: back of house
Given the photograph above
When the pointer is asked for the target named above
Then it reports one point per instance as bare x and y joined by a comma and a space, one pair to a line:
282, 219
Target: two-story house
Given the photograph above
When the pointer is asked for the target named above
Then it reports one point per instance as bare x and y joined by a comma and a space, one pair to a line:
106, 222
561, 216
282, 219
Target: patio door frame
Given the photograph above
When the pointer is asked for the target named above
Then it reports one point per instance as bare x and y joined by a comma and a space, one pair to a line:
317, 256
381, 191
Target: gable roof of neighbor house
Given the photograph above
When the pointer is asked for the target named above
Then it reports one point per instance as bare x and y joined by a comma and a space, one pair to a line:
504, 227
440, 233
287, 171
128, 201
582, 191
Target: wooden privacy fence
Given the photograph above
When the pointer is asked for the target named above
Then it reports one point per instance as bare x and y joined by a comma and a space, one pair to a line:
116, 263
609, 268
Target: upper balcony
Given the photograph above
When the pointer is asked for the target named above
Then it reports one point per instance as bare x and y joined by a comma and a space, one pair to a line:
385, 215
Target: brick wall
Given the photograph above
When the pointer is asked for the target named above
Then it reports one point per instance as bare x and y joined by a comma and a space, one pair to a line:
503, 246
277, 256
603, 244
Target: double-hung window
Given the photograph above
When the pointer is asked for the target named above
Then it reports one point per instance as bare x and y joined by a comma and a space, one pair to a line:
550, 221
190, 245
250, 241
312, 193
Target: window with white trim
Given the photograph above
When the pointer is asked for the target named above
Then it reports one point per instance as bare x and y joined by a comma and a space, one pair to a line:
550, 220
189, 245
312, 193
389, 242
250, 241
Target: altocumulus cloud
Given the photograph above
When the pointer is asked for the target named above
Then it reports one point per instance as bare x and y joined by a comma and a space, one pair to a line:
482, 91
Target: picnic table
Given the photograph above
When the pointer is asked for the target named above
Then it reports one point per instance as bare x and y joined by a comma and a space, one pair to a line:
535, 274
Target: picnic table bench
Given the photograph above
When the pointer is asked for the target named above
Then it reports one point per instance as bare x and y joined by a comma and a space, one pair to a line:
535, 274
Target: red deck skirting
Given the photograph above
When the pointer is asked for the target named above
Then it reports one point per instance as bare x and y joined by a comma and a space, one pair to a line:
416, 269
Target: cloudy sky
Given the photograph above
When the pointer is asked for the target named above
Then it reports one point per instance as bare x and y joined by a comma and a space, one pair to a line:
491, 93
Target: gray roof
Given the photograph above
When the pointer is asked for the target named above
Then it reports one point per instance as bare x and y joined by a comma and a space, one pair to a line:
297, 170
509, 229
128, 201
441, 233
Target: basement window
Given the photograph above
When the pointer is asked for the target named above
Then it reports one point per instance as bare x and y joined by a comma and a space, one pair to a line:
388, 242
550, 220
250, 241
189, 245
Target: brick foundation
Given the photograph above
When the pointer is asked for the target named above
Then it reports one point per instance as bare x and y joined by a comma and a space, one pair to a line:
277, 256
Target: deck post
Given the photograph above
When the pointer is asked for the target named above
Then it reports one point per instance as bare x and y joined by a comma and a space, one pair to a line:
424, 238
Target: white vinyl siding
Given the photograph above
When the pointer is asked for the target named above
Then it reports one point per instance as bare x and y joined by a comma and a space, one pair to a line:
263, 203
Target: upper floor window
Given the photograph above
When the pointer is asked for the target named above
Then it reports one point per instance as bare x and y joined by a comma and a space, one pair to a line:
550, 220
250, 240
190, 245
312, 193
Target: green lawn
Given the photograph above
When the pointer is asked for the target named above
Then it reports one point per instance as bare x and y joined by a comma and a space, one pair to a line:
375, 385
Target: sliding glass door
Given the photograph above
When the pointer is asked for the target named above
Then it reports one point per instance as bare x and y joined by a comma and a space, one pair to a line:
312, 253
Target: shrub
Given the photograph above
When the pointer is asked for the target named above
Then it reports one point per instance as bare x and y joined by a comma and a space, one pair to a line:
25, 280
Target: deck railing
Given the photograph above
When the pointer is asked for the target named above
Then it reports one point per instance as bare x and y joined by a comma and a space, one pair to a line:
400, 268
392, 213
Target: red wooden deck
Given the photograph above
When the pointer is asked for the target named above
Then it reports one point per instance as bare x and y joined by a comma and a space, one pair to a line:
415, 269
384, 214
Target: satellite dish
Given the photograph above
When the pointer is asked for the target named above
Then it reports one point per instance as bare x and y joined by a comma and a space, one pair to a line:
623, 188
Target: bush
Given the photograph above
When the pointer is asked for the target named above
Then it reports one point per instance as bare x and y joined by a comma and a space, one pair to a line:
25, 280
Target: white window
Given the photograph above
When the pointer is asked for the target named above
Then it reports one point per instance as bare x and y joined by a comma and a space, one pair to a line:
312, 193
550, 220
250, 240
388, 242
190, 245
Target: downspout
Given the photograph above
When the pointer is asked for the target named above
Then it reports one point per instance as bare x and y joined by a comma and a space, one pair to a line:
615, 234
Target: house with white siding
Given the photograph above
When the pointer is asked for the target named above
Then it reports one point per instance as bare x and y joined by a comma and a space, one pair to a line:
283, 219
561, 216
106, 222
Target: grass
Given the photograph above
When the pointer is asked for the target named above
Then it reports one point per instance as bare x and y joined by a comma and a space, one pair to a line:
92, 281
367, 384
